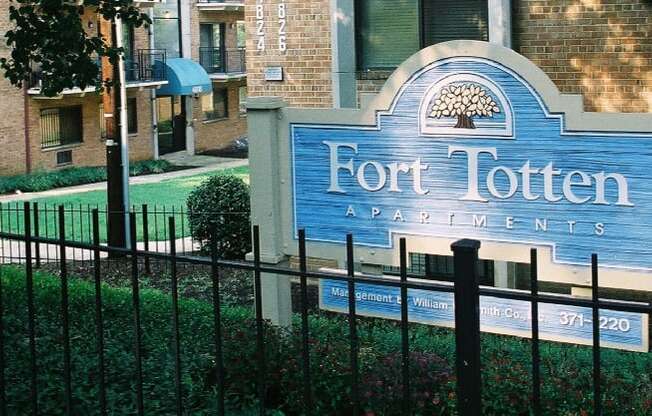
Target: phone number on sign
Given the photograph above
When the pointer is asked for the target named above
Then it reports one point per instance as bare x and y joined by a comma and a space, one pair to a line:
608, 323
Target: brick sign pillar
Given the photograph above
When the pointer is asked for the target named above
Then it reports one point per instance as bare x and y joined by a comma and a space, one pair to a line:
262, 118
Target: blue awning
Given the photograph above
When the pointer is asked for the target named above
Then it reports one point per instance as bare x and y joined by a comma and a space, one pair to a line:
185, 77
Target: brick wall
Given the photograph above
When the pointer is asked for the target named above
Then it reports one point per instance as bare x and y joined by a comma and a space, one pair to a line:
216, 134
12, 138
213, 16
306, 63
601, 49
92, 151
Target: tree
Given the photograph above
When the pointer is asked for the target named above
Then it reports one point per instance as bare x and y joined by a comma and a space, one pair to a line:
463, 101
49, 35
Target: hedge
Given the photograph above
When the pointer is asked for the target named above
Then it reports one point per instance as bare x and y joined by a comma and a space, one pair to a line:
506, 361
43, 181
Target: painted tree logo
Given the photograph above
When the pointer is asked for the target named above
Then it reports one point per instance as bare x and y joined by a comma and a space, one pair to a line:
464, 101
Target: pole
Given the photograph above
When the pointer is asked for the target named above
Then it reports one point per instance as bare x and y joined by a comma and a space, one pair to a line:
116, 141
152, 93
467, 327
124, 134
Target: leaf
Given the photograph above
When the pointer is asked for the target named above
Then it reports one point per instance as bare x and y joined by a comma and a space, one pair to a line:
49, 38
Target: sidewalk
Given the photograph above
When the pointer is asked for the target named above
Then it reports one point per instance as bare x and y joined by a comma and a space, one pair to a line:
215, 164
12, 251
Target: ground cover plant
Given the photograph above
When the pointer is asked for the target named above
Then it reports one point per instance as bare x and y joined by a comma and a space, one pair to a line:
43, 181
506, 360
167, 197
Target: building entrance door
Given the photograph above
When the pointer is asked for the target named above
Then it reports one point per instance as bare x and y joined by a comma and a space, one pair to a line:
171, 124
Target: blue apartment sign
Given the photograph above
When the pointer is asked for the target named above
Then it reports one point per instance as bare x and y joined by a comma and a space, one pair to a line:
469, 149
471, 140
561, 323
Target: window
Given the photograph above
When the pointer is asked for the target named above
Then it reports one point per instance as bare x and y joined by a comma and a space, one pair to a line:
389, 31
210, 35
215, 105
211, 47
128, 40
61, 126
132, 115
166, 28
131, 66
241, 34
103, 133
64, 158
430, 266
242, 100
132, 118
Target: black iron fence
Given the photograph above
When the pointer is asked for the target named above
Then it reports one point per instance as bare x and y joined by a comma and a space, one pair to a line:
150, 221
466, 293
222, 61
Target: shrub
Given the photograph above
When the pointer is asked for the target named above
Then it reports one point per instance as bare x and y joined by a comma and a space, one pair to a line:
43, 181
150, 166
220, 205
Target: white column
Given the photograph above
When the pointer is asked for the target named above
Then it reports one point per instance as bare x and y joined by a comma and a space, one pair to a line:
186, 52
504, 274
262, 120
190, 125
343, 54
124, 132
152, 94
500, 22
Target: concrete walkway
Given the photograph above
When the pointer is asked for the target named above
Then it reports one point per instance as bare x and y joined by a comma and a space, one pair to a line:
13, 251
184, 159
216, 164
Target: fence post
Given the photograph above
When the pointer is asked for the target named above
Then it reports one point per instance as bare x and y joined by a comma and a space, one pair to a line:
115, 212
148, 268
467, 327
262, 119
37, 234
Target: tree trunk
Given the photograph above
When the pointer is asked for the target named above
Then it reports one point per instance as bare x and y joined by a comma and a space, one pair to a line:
464, 122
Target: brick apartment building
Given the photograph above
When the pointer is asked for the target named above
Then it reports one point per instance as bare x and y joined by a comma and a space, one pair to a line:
336, 51
184, 92
339, 53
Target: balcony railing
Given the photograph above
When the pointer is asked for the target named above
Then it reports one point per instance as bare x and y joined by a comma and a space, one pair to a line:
35, 81
219, 61
221, 4
147, 66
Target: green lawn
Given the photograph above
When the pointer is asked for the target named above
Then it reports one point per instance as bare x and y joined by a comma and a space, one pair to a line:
166, 198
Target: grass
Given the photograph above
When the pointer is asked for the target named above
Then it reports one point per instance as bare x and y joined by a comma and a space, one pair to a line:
168, 197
